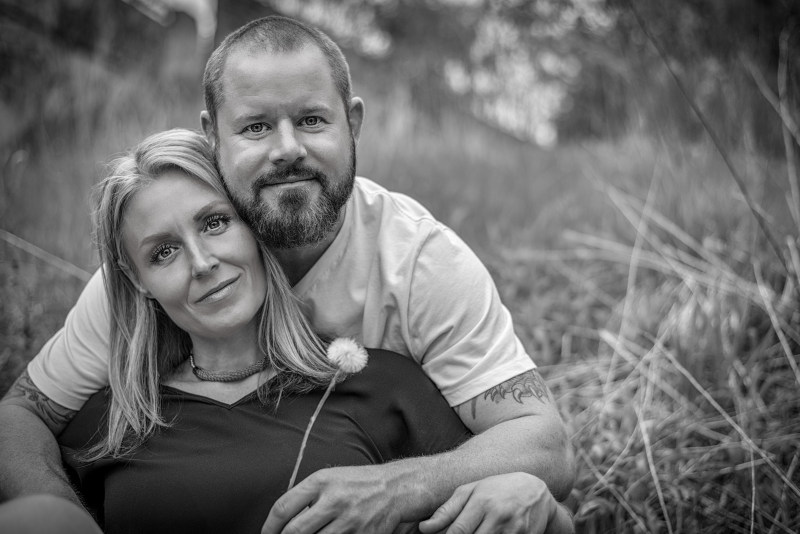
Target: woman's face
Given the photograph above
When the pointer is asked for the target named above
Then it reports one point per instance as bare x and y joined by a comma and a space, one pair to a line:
192, 253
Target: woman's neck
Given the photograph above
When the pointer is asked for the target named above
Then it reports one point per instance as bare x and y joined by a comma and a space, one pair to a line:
233, 352
216, 356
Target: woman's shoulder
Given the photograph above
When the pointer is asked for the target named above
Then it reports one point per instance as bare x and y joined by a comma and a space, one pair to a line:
392, 370
86, 422
381, 359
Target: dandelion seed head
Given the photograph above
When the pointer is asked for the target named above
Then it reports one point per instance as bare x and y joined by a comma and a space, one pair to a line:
348, 355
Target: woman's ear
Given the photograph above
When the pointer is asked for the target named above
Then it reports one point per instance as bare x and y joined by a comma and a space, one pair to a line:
126, 269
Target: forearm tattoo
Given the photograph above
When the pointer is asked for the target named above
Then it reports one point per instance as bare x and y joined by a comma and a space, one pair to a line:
527, 384
24, 391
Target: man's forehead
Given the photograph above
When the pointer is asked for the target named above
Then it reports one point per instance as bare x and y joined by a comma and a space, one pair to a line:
265, 56
296, 75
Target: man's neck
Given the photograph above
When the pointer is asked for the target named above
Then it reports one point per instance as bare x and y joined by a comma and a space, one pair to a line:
297, 261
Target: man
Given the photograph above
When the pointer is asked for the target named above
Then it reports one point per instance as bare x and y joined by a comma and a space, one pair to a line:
366, 263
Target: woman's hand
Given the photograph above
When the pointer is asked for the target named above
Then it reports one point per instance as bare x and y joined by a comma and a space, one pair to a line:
511, 503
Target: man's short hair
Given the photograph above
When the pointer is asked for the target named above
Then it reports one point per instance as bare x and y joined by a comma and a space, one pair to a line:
273, 34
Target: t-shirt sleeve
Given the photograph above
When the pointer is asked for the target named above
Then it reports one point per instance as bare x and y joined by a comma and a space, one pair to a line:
457, 323
73, 364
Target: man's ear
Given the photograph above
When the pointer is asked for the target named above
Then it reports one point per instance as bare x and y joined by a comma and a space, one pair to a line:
208, 128
356, 116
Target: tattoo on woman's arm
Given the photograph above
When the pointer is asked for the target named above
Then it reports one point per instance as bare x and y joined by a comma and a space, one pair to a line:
51, 413
527, 384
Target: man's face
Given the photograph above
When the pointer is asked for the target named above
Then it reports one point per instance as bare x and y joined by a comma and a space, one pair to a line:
284, 144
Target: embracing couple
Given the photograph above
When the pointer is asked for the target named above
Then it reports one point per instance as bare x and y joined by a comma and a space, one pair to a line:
183, 381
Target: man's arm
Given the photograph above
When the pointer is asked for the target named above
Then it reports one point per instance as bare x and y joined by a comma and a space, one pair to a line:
70, 367
519, 430
525, 408
30, 459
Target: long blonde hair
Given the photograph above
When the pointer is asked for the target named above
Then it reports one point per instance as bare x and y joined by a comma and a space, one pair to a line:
145, 344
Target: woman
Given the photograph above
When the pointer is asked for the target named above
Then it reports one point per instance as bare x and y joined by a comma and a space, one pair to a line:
214, 371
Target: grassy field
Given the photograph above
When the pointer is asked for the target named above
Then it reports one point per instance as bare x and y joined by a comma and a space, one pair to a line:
666, 325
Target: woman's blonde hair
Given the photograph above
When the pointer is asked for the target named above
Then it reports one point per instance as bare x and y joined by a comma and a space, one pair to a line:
145, 344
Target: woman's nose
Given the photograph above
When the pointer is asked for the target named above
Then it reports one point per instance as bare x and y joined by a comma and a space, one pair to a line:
203, 260
287, 148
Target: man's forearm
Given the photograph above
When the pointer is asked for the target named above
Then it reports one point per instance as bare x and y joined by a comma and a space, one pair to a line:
30, 459
534, 444
376, 498
527, 444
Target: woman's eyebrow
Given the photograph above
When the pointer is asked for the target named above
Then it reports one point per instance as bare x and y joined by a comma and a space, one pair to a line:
154, 238
212, 206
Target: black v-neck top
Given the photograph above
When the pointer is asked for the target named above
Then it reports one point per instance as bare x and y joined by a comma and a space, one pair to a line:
220, 468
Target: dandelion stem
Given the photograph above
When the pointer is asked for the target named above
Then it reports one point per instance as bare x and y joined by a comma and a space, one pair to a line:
308, 428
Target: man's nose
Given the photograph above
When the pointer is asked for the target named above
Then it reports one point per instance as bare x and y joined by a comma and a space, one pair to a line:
286, 148
203, 261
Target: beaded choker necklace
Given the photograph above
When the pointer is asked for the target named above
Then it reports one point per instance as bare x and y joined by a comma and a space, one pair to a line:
226, 376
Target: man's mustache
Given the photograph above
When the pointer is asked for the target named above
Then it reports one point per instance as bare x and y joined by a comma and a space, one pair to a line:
293, 173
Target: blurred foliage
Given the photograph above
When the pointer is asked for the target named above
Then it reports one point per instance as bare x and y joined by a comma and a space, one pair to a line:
541, 70
592, 62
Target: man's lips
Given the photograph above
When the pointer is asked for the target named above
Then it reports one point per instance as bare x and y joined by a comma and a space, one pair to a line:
217, 291
290, 180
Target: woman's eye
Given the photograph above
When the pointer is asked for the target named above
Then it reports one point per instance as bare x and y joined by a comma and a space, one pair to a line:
162, 253
217, 222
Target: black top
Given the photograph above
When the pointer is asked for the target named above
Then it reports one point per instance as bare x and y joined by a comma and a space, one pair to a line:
220, 468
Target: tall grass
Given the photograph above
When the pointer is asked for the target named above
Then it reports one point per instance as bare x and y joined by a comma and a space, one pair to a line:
687, 419
637, 277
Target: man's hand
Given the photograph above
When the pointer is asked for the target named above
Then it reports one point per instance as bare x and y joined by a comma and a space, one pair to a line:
340, 499
518, 428
30, 459
515, 503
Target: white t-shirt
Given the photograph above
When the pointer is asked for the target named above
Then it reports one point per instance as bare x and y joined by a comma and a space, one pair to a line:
394, 278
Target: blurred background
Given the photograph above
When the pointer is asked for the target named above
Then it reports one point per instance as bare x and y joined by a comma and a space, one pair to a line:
626, 169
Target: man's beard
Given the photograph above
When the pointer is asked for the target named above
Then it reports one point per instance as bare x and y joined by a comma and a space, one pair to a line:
297, 220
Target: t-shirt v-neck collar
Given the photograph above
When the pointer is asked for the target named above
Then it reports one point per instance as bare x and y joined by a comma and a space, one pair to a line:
331, 257
209, 400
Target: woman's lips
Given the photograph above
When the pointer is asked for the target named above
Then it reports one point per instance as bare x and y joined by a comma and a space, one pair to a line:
219, 292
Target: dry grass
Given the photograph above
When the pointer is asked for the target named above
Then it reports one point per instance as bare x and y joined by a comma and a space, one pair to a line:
638, 279
685, 414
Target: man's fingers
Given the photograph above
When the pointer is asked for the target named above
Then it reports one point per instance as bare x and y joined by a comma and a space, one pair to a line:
446, 513
311, 520
468, 521
288, 506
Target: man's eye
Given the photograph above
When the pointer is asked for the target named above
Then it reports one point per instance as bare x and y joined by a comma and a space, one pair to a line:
312, 121
256, 128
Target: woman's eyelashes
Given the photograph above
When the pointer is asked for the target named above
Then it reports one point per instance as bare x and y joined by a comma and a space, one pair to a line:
214, 224
162, 253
